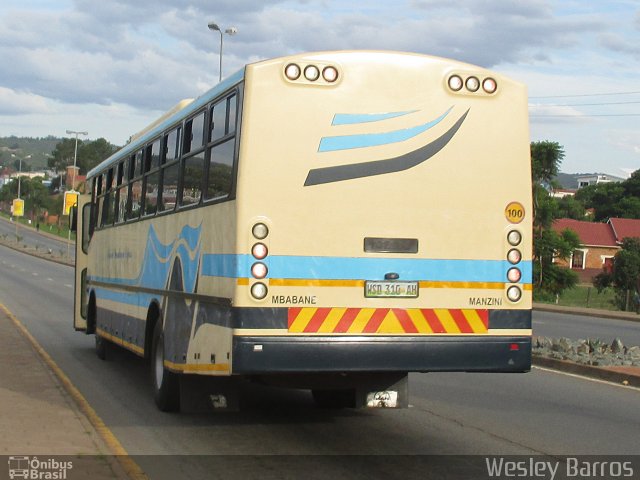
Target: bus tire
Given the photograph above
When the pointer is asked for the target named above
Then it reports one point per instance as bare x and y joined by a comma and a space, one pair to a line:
334, 399
165, 383
102, 345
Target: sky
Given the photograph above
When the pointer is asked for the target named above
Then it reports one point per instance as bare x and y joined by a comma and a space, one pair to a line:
111, 67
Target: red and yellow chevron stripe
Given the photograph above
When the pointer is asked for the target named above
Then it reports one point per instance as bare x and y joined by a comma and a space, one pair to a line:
388, 320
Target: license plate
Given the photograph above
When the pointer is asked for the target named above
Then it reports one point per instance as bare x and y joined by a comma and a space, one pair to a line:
390, 289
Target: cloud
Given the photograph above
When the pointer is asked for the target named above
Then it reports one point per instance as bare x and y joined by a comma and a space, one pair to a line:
21, 103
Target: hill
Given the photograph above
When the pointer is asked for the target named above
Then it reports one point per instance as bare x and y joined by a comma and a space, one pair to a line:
38, 148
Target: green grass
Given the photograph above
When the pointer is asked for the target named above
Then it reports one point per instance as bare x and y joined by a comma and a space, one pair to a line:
587, 296
61, 231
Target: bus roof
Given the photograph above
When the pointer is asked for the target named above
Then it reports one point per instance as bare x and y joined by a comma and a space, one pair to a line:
152, 133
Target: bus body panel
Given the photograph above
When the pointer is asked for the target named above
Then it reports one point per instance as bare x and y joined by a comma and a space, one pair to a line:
384, 179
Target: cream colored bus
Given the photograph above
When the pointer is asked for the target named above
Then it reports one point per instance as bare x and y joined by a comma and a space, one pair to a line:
328, 221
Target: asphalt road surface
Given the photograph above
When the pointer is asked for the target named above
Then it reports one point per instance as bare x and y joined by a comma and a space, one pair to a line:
281, 434
579, 327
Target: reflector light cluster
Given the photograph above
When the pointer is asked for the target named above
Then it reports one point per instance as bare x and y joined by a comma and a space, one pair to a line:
514, 256
259, 269
311, 73
472, 84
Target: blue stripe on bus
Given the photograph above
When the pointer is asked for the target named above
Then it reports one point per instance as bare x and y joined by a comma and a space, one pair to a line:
354, 118
347, 142
349, 268
328, 268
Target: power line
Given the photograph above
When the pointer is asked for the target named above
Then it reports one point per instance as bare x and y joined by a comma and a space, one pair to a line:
582, 104
587, 115
588, 95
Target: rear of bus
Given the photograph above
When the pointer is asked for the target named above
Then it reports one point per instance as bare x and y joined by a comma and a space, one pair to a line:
384, 221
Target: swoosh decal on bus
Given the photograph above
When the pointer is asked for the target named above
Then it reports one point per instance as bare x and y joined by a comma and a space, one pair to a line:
355, 118
156, 265
409, 160
347, 142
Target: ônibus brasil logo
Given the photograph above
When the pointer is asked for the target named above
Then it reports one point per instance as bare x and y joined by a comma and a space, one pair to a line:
35, 469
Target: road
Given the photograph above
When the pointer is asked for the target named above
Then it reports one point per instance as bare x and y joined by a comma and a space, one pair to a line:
464, 414
574, 326
33, 239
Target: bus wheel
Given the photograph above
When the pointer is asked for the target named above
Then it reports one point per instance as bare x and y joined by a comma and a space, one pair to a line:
165, 383
102, 346
334, 398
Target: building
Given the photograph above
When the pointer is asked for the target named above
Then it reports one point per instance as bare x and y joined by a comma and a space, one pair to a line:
599, 243
597, 178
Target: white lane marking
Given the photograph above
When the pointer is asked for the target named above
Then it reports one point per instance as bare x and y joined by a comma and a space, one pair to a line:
67, 285
582, 377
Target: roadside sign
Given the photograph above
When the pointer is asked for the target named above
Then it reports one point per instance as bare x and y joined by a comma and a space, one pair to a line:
70, 199
18, 207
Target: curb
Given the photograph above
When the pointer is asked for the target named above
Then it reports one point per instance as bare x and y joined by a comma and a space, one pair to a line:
587, 312
599, 373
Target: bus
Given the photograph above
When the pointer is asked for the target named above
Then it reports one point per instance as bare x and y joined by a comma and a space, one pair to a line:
327, 221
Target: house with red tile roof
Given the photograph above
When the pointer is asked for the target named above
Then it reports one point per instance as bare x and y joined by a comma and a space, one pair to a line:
625, 228
599, 243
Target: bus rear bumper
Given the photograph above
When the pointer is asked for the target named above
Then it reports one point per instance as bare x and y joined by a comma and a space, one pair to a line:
306, 354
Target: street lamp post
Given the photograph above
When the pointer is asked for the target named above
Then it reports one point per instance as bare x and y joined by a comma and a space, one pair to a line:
73, 179
75, 155
228, 31
19, 169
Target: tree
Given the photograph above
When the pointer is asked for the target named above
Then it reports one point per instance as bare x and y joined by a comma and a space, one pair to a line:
546, 158
90, 154
625, 276
547, 244
613, 199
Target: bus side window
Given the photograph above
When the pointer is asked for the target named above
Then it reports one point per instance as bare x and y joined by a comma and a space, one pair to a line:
220, 172
109, 200
172, 145
169, 186
122, 192
193, 133
97, 220
192, 178
155, 153
233, 114
219, 120
135, 199
152, 190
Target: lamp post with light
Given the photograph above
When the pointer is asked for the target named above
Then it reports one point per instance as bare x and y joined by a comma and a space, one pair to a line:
228, 31
75, 155
73, 178
19, 169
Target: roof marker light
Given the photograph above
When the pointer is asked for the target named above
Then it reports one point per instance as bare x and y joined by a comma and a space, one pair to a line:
292, 71
455, 83
489, 85
472, 84
330, 74
311, 73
